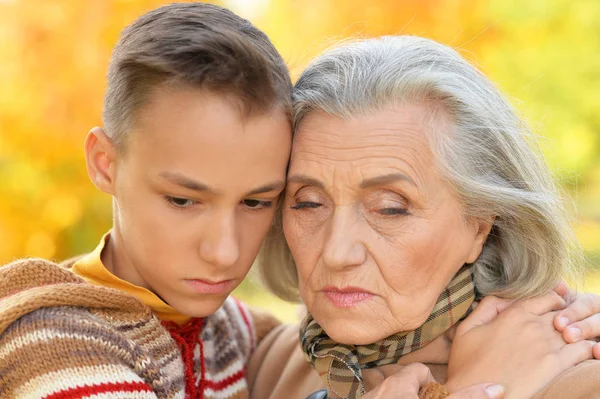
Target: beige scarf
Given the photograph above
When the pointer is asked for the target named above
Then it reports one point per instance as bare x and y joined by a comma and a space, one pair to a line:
340, 365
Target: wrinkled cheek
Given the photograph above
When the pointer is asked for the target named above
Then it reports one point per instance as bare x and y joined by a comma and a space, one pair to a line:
298, 243
412, 311
305, 268
411, 267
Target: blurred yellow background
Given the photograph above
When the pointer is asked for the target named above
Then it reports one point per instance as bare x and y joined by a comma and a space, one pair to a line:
54, 53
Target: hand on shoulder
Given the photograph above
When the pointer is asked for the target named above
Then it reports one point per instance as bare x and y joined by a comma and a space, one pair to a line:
415, 381
513, 344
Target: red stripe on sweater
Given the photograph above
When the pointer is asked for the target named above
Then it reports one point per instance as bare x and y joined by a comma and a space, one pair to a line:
96, 389
247, 321
232, 379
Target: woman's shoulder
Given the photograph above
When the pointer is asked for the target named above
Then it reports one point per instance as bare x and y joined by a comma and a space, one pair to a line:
278, 368
579, 382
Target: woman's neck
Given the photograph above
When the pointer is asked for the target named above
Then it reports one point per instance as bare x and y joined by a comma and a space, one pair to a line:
436, 352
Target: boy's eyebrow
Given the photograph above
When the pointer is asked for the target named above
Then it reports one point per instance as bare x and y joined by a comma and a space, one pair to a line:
191, 184
184, 181
274, 186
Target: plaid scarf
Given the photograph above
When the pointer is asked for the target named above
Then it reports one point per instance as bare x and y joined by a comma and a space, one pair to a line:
340, 365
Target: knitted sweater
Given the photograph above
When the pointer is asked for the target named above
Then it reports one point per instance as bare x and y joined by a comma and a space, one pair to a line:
61, 337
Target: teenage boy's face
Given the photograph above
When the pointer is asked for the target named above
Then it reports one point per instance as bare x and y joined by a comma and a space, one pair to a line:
194, 195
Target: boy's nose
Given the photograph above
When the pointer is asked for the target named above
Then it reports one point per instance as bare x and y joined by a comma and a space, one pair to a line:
220, 246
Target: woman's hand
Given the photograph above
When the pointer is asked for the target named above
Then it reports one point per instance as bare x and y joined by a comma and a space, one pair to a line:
581, 319
408, 381
514, 345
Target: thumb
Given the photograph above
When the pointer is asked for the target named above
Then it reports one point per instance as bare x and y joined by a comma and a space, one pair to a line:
481, 391
486, 311
596, 351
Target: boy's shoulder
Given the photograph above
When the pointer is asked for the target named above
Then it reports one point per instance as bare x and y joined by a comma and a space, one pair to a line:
240, 324
28, 285
28, 273
61, 351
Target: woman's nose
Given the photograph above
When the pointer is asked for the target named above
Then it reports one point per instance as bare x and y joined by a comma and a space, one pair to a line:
343, 245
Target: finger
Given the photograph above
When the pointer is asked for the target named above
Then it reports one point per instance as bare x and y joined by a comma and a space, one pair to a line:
481, 391
584, 306
486, 311
586, 329
596, 351
544, 303
414, 376
573, 354
563, 290
405, 383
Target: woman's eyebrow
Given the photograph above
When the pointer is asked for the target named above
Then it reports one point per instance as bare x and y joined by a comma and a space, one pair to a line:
305, 180
274, 186
386, 179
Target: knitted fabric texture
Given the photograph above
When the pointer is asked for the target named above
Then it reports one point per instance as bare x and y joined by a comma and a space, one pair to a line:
63, 337
340, 365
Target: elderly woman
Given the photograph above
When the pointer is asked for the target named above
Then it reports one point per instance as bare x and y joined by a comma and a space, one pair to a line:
414, 192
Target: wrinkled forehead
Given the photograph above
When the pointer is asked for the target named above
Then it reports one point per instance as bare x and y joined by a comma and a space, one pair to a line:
386, 141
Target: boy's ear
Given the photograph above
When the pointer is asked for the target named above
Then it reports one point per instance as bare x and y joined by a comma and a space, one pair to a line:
100, 157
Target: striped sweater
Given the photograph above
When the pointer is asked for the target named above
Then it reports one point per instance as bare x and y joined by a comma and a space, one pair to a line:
61, 337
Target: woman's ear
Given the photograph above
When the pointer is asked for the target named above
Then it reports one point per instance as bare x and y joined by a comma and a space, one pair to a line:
100, 156
483, 228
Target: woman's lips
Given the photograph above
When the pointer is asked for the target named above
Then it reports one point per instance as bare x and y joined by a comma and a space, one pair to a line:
209, 287
346, 297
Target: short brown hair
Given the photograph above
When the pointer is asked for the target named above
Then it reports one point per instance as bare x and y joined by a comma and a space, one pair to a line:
192, 44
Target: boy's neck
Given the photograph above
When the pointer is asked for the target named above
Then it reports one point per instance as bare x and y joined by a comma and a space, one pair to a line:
115, 260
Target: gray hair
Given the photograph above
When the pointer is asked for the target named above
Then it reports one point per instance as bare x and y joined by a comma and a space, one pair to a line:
486, 153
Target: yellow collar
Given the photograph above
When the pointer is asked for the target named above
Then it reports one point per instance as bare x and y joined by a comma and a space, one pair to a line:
91, 268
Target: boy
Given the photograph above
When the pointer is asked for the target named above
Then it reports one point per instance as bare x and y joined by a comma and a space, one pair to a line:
194, 150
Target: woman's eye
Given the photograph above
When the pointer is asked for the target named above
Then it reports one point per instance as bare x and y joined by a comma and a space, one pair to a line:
180, 202
257, 204
392, 211
306, 205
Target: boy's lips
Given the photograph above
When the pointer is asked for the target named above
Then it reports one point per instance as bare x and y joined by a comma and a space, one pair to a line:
211, 287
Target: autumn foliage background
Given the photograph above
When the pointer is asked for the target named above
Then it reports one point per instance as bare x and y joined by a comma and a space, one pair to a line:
53, 56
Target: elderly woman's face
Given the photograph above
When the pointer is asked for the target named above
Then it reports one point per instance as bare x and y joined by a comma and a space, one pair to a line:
375, 232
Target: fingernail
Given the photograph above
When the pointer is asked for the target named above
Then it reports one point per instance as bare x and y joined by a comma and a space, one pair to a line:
563, 321
575, 332
494, 391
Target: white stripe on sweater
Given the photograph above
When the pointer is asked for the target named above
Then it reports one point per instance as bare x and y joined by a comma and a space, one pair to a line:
56, 381
240, 324
234, 368
46, 335
126, 395
228, 392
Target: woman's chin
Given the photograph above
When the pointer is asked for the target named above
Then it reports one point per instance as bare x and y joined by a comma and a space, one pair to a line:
364, 330
350, 333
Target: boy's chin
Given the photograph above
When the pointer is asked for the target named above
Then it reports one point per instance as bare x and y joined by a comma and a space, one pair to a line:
198, 307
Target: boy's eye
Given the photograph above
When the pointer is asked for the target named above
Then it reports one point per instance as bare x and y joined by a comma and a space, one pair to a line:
180, 202
257, 204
